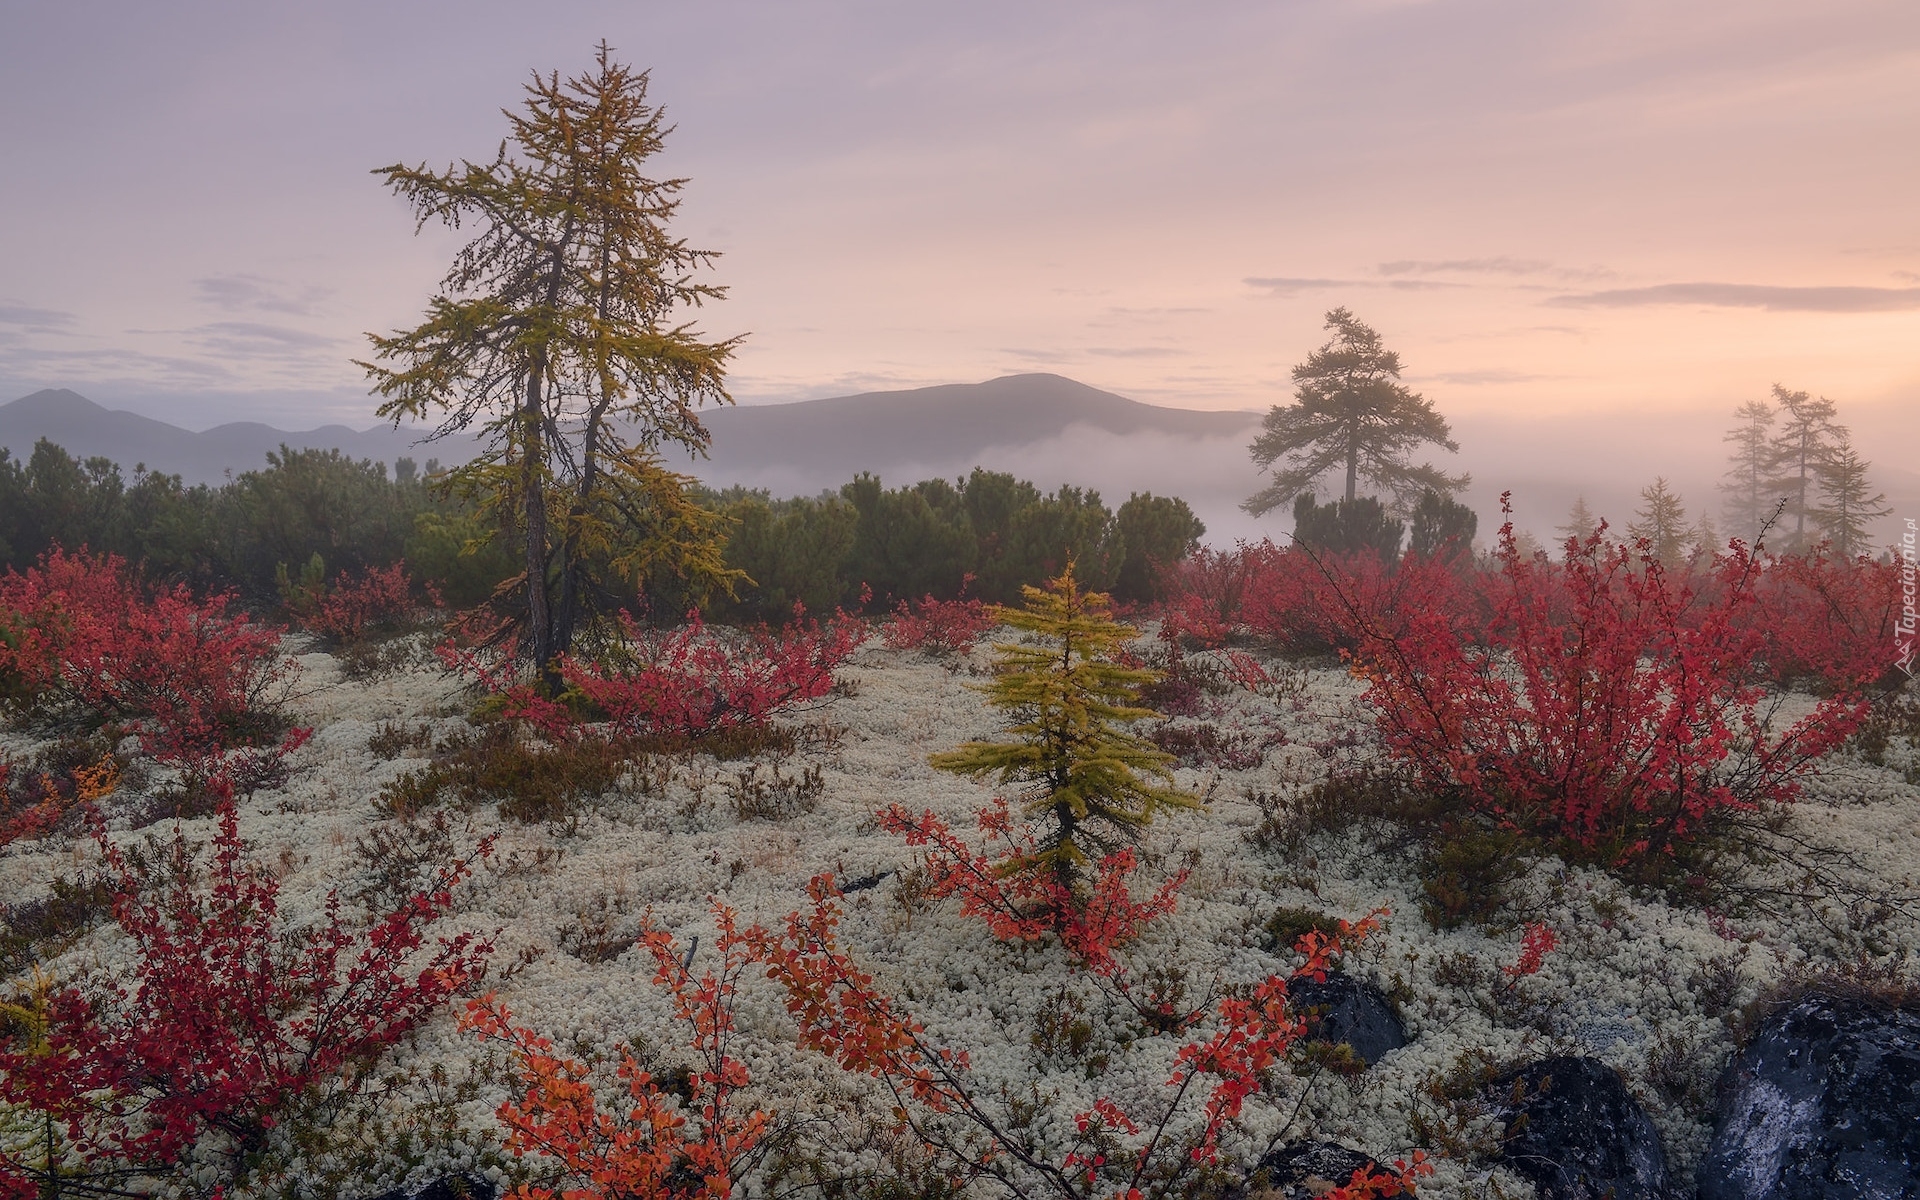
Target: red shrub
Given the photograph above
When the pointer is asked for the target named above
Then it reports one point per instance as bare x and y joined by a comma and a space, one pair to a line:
1830, 619
1024, 905
351, 608
1612, 705
233, 1021
693, 681
647, 1150
939, 627
1208, 592
190, 677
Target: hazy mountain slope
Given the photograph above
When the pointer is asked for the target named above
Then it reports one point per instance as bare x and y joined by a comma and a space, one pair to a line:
86, 429
847, 434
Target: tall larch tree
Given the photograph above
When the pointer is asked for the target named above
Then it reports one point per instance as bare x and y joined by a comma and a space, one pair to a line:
1750, 485
1351, 414
561, 333
1798, 454
1848, 505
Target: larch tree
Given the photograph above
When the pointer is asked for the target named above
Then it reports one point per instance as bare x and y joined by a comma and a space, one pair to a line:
1800, 452
1580, 524
1084, 773
1661, 523
1751, 488
561, 333
1351, 414
1848, 504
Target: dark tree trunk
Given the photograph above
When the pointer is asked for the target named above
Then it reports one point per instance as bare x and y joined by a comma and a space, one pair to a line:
539, 617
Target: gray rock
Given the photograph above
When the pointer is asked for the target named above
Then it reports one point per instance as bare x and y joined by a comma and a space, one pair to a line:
1303, 1170
461, 1186
1576, 1132
1344, 1009
1823, 1104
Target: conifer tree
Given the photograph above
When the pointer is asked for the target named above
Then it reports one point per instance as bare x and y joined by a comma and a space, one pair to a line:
1580, 524
1079, 767
1351, 413
561, 334
1752, 491
1662, 523
1800, 452
1847, 508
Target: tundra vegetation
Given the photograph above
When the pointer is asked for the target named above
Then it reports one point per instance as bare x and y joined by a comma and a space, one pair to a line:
556, 825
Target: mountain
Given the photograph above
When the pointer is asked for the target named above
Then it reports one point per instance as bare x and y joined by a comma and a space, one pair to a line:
85, 429
956, 423
1046, 428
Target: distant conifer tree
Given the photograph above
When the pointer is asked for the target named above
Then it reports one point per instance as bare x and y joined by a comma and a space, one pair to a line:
1351, 412
1800, 452
1071, 753
1847, 507
1662, 523
1581, 524
1750, 484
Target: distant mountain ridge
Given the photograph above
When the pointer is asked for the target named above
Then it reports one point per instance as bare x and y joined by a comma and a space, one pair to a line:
86, 430
816, 443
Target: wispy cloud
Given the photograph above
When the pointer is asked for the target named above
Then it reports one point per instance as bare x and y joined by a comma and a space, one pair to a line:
1500, 265
1483, 378
1289, 286
251, 339
1285, 286
35, 320
1749, 295
1037, 356
1137, 352
257, 293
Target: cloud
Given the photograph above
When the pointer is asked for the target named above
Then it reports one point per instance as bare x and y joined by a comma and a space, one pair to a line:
1500, 265
1037, 356
1482, 378
1137, 352
1748, 295
1281, 286
250, 339
1285, 286
256, 293
1910, 276
35, 320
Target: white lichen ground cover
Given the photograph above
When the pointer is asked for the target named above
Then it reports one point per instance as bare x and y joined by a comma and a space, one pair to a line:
1637, 982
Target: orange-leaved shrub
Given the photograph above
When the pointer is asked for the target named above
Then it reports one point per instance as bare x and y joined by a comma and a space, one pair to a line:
652, 1145
1155, 1148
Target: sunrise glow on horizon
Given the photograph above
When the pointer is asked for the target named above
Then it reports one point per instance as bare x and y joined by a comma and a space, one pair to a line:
1568, 209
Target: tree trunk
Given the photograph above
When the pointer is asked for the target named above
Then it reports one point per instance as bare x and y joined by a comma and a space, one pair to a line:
1353, 468
533, 483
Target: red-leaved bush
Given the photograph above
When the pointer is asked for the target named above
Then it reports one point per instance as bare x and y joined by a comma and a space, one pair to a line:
1830, 619
226, 1023
1022, 903
88, 639
350, 608
1156, 1149
687, 682
938, 627
654, 1146
1603, 702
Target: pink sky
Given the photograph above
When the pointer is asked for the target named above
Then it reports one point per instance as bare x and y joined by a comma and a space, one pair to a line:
1549, 209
